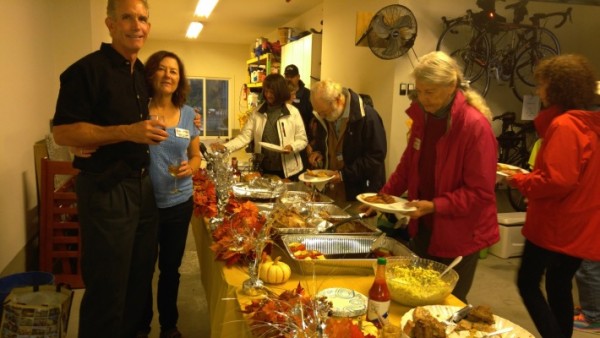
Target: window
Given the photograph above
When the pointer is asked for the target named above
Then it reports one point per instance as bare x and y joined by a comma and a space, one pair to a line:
211, 98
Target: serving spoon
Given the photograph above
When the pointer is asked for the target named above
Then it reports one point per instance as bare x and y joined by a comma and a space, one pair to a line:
453, 264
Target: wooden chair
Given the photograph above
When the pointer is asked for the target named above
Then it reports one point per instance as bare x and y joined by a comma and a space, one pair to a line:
60, 239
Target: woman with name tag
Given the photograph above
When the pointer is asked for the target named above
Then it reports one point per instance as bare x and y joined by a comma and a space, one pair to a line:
172, 163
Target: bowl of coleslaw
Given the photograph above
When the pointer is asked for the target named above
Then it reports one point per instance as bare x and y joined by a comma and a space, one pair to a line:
418, 281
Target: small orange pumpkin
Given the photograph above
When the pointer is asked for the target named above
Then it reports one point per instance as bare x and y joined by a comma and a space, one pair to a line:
274, 272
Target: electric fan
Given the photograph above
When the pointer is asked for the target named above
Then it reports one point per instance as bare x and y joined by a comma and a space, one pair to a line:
392, 32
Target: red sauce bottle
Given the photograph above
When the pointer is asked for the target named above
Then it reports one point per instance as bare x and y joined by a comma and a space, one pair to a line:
379, 297
237, 175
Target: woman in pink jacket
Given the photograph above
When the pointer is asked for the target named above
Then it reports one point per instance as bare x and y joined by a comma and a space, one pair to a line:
448, 169
563, 216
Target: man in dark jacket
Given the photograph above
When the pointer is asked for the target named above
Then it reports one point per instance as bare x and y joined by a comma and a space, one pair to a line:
349, 138
301, 101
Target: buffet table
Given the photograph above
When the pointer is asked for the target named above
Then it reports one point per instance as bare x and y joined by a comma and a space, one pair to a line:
225, 300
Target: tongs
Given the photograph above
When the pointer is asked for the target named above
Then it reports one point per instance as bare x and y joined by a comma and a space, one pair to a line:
460, 314
456, 317
334, 226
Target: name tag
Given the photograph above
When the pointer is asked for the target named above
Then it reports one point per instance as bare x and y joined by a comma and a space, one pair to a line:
296, 100
183, 133
417, 144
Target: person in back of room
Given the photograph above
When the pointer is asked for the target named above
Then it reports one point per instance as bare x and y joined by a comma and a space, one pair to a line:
169, 87
102, 110
277, 124
587, 315
448, 170
347, 137
301, 101
563, 212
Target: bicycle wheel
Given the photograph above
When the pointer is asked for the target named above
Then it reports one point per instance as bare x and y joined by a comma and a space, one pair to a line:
522, 81
471, 49
548, 39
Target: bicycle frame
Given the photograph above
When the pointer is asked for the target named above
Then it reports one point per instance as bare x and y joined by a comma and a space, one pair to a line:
487, 46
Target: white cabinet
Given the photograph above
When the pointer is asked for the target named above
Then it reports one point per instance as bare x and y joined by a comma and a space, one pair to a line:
305, 53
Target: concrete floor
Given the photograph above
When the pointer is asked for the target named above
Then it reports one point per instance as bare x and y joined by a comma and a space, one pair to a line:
193, 309
494, 285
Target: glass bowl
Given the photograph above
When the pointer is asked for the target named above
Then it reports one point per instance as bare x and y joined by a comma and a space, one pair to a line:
416, 281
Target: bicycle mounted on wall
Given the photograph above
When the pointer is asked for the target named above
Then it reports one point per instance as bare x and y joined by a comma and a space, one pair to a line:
486, 45
515, 144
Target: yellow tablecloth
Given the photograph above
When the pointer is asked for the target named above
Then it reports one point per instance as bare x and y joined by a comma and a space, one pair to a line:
225, 299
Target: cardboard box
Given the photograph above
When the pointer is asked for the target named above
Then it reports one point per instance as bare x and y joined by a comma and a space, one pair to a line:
511, 240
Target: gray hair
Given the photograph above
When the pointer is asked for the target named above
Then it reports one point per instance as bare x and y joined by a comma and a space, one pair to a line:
441, 69
326, 91
111, 7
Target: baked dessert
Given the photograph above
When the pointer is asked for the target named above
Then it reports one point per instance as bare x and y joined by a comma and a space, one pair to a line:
424, 325
320, 174
380, 198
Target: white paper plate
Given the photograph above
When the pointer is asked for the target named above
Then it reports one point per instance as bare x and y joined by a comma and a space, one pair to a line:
272, 147
304, 177
346, 302
398, 206
509, 166
443, 312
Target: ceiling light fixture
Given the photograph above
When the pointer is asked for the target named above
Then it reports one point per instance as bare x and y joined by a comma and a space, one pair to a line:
194, 30
205, 7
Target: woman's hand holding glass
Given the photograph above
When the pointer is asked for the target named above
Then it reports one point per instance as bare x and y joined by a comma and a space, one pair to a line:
179, 169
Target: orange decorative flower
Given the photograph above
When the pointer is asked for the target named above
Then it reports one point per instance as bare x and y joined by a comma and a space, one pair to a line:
205, 195
235, 238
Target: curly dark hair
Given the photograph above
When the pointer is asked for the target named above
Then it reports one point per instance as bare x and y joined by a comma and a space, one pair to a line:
183, 86
570, 79
278, 85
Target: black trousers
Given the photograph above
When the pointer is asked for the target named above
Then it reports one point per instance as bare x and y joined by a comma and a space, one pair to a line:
119, 233
552, 317
172, 235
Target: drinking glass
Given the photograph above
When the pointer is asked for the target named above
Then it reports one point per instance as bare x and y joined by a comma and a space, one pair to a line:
173, 171
160, 118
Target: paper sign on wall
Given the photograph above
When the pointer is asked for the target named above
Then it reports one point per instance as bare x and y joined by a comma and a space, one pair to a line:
531, 107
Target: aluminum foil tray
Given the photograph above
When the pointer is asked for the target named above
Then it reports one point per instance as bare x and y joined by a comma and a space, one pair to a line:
306, 196
344, 255
257, 191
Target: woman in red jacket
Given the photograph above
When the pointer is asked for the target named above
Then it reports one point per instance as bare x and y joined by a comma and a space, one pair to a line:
448, 169
563, 216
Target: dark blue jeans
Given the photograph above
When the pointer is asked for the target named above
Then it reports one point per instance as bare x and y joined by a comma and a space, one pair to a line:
552, 318
118, 233
173, 229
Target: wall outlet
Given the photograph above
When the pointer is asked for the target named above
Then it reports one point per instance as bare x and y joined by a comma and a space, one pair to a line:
403, 89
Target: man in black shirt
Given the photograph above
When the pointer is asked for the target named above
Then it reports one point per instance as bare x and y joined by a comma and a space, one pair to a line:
102, 110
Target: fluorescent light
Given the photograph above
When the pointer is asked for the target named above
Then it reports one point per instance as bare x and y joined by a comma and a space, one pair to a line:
194, 30
205, 7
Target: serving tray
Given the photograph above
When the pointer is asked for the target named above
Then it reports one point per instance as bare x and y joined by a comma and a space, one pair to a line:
344, 254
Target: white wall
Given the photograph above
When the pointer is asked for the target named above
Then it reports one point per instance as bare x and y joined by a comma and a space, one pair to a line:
27, 71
